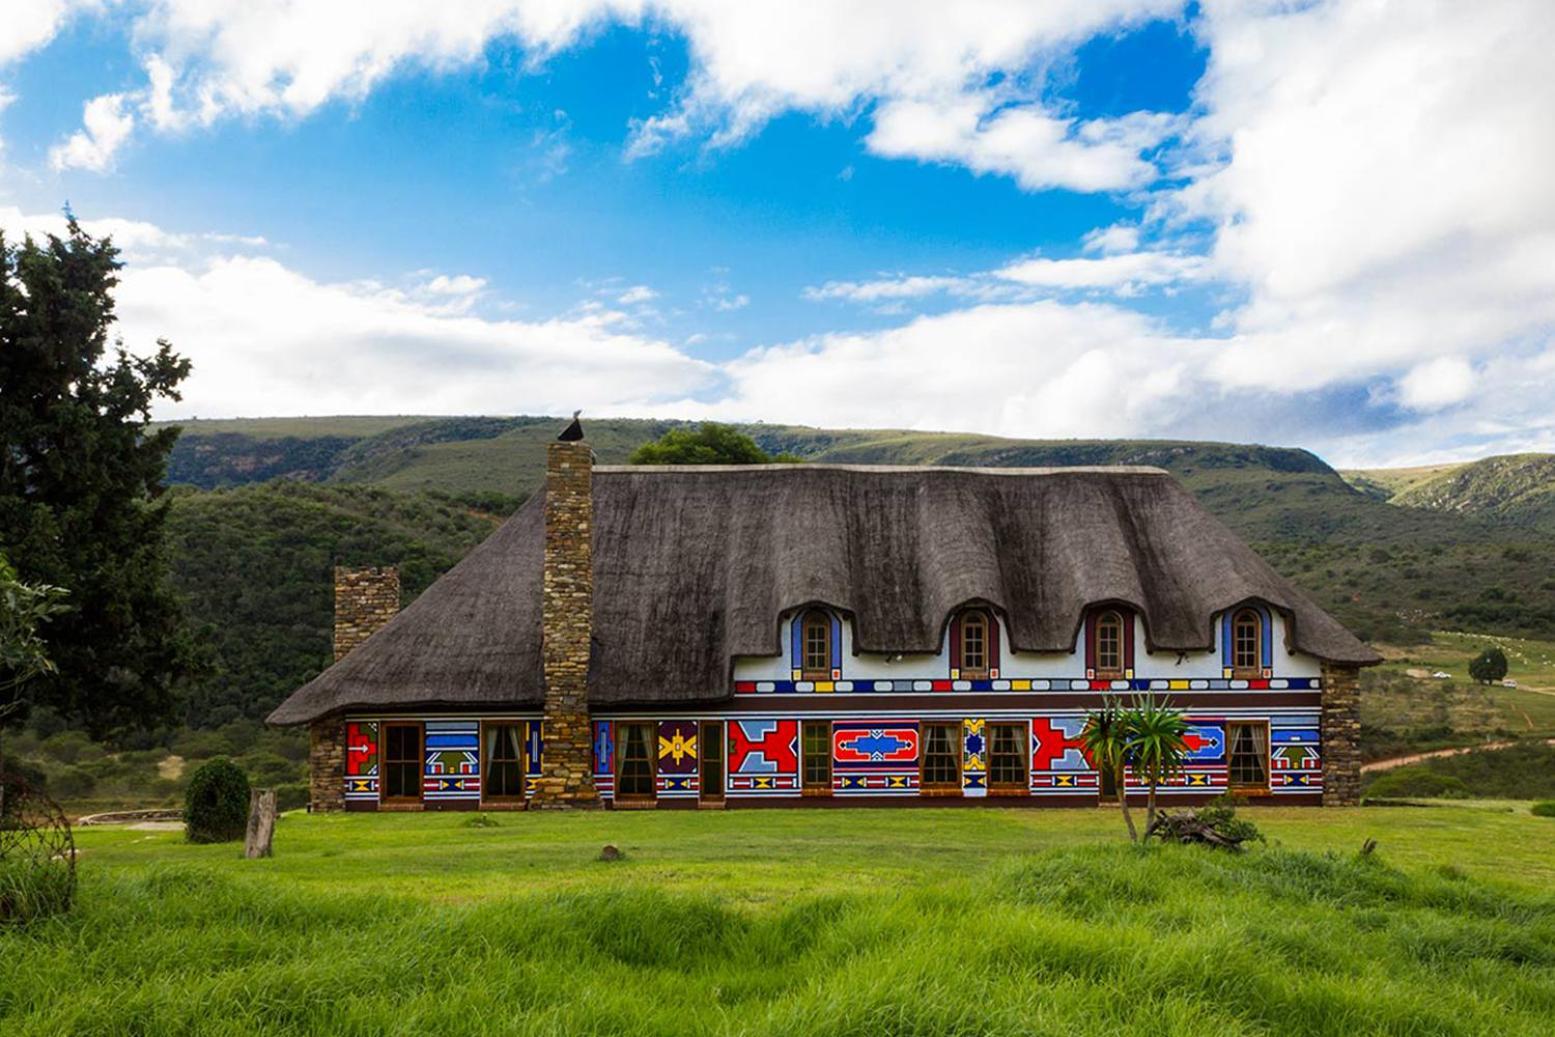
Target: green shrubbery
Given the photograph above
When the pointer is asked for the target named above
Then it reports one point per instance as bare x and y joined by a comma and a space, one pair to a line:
1543, 808
1416, 782
216, 803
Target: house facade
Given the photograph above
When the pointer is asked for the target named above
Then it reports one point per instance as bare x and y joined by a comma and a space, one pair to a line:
827, 636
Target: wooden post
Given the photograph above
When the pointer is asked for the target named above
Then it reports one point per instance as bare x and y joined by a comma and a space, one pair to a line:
261, 823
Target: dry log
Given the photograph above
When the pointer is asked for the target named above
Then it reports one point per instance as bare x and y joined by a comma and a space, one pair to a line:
261, 823
1185, 826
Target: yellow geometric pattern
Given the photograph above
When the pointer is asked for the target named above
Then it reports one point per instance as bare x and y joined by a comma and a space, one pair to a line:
678, 748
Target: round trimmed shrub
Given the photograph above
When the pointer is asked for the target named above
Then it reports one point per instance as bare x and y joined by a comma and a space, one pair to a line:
216, 803
1543, 808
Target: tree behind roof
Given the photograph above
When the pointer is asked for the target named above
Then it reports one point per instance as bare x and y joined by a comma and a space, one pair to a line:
711, 443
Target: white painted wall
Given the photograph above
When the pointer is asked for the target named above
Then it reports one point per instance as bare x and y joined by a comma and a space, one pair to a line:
1013, 664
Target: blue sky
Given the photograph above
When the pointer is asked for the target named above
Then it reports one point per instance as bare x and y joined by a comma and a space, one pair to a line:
1248, 221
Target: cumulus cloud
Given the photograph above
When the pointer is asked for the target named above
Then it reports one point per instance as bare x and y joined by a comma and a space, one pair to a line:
1383, 193
638, 293
105, 126
923, 64
1437, 383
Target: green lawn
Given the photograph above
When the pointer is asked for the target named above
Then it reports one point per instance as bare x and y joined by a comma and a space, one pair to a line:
860, 922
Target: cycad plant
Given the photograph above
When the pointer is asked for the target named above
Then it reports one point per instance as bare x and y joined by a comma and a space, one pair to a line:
1106, 738
1156, 745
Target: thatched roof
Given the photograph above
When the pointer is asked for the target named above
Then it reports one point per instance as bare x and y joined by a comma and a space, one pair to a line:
693, 566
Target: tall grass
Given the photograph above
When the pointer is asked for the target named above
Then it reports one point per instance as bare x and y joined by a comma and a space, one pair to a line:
1079, 940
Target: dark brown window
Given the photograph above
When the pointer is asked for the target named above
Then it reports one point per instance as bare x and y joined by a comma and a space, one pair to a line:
402, 762
634, 747
1007, 756
1109, 645
941, 756
711, 760
975, 648
1246, 646
1249, 756
815, 750
815, 645
503, 777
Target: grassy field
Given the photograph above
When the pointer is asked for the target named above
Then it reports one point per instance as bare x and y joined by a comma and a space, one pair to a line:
848, 922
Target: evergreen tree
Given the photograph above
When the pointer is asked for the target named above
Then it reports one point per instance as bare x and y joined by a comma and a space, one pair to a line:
81, 476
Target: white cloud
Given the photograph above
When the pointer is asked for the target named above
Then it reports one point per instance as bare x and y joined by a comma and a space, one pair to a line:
1120, 237
1384, 192
638, 293
106, 126
1130, 270
31, 24
1437, 383
459, 284
926, 63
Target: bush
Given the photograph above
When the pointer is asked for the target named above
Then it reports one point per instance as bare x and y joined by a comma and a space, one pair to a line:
1543, 808
71, 783
1488, 666
216, 803
292, 796
1417, 783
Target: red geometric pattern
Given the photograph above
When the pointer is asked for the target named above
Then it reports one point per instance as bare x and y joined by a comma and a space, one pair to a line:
764, 747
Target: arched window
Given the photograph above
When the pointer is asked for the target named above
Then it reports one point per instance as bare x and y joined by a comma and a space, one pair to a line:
815, 648
974, 659
1246, 643
1109, 644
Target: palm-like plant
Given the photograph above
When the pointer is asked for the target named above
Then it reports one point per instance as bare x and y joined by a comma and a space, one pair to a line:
1156, 745
1106, 741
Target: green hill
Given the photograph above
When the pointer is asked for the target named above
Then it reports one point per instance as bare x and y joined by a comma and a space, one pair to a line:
253, 556
1517, 488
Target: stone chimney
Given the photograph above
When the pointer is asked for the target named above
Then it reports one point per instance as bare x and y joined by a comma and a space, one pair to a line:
567, 625
1341, 735
365, 599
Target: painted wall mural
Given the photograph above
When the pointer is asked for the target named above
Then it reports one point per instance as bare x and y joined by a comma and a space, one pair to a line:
1058, 763
677, 770
874, 756
362, 760
605, 758
974, 758
453, 761
764, 756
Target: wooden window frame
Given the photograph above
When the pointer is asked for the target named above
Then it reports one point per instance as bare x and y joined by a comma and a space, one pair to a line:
982, 619
1243, 789
947, 788
1256, 669
622, 740
711, 733
1022, 754
808, 727
403, 802
1104, 618
821, 619
501, 802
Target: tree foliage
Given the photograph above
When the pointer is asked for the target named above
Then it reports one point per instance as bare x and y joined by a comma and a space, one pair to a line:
1105, 739
81, 481
216, 803
711, 443
1488, 666
1148, 738
23, 609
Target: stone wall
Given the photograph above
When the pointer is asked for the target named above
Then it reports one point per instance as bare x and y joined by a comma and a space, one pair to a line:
365, 599
327, 765
1341, 735
567, 625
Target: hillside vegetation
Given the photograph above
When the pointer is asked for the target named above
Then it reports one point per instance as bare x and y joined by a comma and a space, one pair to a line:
1517, 488
884, 922
253, 557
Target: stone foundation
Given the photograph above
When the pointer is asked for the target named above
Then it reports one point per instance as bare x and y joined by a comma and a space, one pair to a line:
327, 765
567, 624
1341, 735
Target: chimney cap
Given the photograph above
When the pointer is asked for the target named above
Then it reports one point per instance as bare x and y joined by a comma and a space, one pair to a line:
574, 430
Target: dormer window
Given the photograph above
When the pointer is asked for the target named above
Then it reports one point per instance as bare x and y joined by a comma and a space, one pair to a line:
815, 645
1109, 645
974, 645
1246, 643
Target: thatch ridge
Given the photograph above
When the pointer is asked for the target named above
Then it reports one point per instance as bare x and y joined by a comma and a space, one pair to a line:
693, 571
